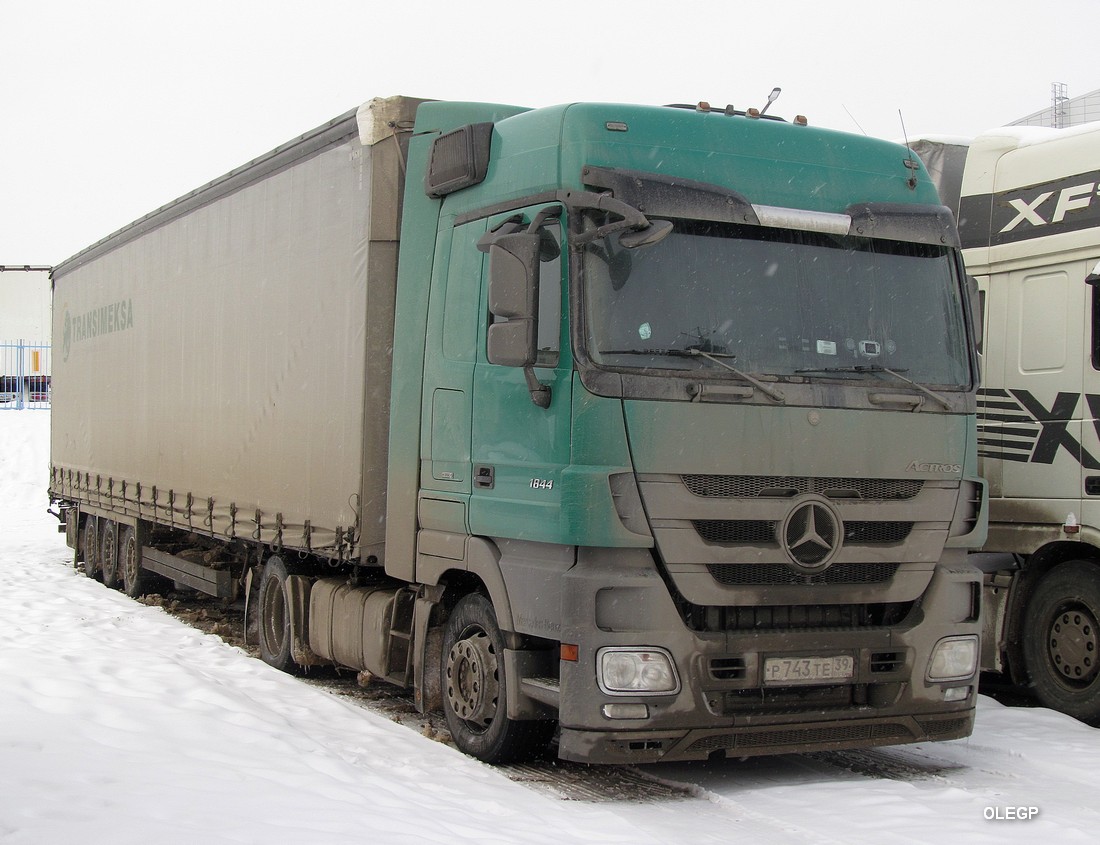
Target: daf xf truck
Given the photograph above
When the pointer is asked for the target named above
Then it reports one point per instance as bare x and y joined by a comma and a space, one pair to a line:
1029, 219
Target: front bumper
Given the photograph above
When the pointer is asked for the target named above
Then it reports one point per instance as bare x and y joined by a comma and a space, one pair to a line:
724, 706
648, 746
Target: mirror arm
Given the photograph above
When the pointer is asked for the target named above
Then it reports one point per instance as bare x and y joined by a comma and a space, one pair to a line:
631, 217
540, 393
543, 216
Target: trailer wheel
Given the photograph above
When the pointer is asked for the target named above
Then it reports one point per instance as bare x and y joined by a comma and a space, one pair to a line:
274, 613
475, 688
1062, 640
134, 578
90, 543
108, 554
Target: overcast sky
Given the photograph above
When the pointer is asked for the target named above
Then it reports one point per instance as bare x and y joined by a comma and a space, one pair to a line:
109, 109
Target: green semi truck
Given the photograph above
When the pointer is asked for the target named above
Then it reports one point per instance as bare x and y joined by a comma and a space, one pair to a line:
645, 431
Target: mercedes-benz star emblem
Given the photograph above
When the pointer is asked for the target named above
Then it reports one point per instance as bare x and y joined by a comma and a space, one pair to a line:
812, 536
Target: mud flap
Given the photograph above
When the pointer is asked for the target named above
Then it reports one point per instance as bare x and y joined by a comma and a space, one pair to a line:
248, 626
427, 652
527, 664
297, 588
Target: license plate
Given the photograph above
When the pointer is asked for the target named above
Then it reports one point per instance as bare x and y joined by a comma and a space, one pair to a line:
808, 670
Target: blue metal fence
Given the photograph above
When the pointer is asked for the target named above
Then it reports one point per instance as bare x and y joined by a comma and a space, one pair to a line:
24, 376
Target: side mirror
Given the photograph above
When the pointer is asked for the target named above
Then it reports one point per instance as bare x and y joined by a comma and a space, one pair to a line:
511, 344
514, 275
514, 295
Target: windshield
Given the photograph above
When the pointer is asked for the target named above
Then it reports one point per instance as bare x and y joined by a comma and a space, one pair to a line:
776, 302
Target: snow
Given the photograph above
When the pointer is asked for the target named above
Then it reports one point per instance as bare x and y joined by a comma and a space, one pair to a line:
119, 723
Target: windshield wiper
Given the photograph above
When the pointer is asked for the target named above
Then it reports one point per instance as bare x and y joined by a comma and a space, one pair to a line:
714, 357
771, 392
858, 368
877, 368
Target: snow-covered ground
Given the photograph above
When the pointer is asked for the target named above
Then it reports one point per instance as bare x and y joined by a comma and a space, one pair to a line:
120, 724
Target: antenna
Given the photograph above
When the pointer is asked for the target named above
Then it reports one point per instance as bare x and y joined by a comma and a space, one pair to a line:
853, 117
772, 97
909, 162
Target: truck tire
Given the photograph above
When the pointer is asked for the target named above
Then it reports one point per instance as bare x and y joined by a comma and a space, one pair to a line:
274, 616
108, 554
475, 687
1062, 640
134, 578
90, 542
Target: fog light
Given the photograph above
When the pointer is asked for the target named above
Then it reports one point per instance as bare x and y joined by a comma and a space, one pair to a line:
956, 693
626, 711
636, 671
953, 659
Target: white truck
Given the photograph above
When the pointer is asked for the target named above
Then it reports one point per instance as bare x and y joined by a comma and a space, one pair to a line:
1028, 207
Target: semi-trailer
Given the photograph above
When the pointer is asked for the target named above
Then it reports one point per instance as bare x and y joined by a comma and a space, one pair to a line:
645, 431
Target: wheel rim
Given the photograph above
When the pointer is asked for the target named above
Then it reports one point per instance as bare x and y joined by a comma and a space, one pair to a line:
130, 567
91, 552
1073, 645
273, 611
473, 685
108, 561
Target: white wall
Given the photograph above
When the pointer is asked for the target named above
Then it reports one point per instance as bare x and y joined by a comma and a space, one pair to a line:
24, 307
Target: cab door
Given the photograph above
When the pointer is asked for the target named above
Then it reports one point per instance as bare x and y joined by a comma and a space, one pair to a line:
520, 450
1090, 436
449, 357
1044, 410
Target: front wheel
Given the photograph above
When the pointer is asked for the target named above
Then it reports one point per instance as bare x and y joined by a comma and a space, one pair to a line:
1062, 640
475, 684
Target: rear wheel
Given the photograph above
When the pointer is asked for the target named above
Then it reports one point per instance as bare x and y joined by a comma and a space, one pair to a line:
134, 578
274, 616
475, 685
108, 554
90, 542
1062, 640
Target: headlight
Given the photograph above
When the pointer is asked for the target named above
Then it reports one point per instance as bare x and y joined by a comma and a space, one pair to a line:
953, 659
638, 671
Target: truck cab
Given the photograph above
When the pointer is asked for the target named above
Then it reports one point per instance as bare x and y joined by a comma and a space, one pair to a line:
700, 419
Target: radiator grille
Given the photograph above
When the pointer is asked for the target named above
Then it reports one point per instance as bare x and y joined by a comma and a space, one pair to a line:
761, 532
876, 533
765, 574
786, 700
802, 736
800, 617
945, 727
887, 662
787, 487
733, 532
